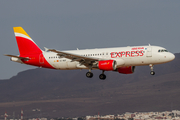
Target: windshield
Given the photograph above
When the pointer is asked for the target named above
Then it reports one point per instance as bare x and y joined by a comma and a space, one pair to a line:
162, 50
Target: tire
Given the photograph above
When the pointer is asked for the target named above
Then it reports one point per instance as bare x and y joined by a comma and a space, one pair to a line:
89, 74
102, 76
152, 73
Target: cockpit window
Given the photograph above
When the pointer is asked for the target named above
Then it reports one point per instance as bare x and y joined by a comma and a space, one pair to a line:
162, 50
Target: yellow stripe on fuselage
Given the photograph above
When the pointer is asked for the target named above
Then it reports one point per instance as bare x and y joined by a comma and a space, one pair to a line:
20, 30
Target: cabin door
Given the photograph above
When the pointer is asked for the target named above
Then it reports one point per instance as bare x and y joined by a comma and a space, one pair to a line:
149, 52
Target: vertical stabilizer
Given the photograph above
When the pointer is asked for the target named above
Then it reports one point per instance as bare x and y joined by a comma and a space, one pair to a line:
25, 44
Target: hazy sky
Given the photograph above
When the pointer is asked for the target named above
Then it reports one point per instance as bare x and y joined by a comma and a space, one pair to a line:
71, 24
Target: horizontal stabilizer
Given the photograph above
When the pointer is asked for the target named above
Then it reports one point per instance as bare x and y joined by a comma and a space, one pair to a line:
22, 58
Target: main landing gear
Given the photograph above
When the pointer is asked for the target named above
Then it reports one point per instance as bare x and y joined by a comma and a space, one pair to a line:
89, 74
152, 72
101, 76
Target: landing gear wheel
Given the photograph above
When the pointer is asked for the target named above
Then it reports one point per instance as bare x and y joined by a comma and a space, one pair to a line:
152, 73
102, 76
89, 74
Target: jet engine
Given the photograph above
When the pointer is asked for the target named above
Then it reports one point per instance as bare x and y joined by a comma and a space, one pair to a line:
126, 70
107, 65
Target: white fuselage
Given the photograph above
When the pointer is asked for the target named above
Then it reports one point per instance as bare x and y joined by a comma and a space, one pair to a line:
129, 56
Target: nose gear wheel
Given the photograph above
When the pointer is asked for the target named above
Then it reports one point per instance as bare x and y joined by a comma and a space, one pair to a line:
152, 72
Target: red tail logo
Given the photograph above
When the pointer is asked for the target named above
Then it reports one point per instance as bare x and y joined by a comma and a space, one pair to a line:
25, 44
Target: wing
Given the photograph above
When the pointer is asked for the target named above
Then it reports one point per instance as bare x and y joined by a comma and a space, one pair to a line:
83, 60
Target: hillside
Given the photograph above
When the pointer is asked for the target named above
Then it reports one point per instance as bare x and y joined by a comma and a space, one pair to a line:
70, 93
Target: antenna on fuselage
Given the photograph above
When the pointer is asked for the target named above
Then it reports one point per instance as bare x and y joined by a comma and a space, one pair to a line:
149, 44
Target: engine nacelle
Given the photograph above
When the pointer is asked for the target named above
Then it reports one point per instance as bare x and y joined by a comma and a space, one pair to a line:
126, 70
107, 65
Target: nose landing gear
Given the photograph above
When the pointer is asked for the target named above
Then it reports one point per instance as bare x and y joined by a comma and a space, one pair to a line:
152, 72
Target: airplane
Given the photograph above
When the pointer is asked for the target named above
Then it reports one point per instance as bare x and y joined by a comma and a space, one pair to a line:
119, 59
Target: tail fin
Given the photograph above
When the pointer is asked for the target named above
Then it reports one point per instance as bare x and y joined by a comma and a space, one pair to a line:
25, 44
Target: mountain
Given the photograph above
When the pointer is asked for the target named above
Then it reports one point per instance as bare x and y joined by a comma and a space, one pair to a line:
60, 93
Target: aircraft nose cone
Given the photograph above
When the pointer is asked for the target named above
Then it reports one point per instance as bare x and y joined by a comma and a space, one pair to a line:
171, 57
